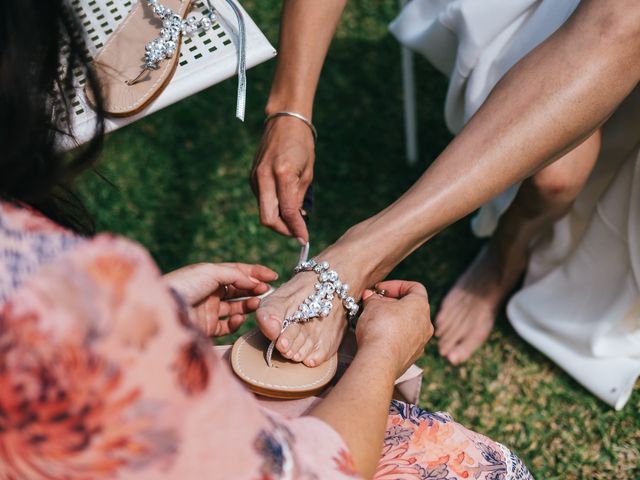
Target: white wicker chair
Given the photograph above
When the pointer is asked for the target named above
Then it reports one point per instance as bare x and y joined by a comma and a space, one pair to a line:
205, 59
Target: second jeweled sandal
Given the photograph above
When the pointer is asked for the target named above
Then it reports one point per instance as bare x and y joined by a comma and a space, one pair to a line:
140, 57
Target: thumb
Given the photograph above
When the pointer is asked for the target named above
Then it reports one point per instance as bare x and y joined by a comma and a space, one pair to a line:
367, 294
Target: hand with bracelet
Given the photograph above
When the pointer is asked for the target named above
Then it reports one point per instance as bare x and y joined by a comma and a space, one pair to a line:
283, 171
283, 167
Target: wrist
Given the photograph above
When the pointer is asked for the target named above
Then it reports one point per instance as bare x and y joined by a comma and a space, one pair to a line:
378, 357
291, 103
367, 255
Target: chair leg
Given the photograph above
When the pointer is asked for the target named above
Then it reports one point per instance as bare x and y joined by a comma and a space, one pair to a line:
409, 93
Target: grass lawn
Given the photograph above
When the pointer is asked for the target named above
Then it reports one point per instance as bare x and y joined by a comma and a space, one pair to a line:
180, 188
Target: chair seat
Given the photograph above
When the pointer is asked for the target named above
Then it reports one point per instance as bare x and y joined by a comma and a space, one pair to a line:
205, 59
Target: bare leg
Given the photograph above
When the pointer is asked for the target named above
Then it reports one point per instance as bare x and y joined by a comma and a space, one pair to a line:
541, 109
468, 311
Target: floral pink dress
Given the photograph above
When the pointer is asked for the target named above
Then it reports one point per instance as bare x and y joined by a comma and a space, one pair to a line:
103, 377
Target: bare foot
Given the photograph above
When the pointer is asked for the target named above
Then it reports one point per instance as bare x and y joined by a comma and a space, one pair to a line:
468, 312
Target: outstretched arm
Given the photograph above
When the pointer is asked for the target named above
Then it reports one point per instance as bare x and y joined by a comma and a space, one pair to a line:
548, 103
284, 163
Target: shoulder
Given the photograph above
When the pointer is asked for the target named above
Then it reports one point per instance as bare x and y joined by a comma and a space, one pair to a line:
27, 240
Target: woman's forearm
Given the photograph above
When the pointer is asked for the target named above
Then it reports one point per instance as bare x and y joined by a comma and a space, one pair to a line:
547, 104
358, 406
306, 30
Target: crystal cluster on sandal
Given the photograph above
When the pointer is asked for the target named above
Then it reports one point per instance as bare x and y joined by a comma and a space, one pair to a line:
173, 26
319, 303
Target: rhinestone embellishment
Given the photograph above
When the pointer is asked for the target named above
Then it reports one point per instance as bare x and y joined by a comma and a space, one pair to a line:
173, 27
320, 302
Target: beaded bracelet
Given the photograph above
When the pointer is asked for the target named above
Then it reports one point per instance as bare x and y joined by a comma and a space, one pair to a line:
319, 303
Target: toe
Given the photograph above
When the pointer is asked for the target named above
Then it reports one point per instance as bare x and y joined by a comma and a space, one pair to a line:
269, 318
305, 350
450, 338
469, 344
448, 315
269, 322
296, 345
286, 340
446, 321
316, 356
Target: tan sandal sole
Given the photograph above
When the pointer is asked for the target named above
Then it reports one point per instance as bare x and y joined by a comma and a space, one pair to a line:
285, 379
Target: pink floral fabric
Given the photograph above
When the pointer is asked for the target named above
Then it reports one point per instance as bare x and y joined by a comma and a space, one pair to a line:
102, 376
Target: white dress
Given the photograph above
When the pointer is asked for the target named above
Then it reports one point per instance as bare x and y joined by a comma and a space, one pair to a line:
580, 304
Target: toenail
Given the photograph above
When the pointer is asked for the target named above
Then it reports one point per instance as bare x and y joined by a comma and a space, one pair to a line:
311, 363
297, 357
284, 343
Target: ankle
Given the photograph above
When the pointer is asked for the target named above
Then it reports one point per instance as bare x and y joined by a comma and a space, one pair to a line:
355, 266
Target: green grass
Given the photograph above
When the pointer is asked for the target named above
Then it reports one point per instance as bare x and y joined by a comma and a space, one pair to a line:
180, 188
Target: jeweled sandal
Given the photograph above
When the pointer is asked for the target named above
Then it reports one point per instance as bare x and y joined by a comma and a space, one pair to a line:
256, 362
141, 56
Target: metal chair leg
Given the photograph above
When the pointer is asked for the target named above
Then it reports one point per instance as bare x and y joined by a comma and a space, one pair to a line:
409, 94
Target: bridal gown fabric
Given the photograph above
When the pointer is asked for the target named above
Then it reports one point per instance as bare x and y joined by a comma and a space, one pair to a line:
580, 304
102, 376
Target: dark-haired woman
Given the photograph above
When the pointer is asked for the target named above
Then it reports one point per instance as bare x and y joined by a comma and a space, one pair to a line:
102, 372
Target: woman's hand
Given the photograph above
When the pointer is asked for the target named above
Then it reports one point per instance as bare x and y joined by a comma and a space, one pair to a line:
391, 333
396, 325
281, 175
208, 287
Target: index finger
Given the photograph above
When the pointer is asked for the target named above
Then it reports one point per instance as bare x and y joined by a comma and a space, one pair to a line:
268, 204
289, 205
402, 288
255, 270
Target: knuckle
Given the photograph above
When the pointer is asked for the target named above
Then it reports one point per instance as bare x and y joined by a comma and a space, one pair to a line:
266, 222
288, 211
207, 327
282, 169
262, 171
306, 178
429, 330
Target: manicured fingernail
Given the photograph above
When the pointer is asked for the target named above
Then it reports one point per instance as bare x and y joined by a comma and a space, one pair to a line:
301, 241
284, 343
254, 280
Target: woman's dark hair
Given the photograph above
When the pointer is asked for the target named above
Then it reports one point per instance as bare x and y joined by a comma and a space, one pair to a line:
41, 44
